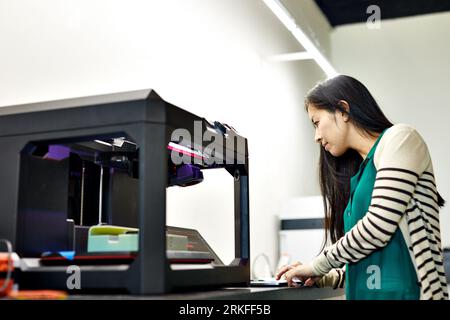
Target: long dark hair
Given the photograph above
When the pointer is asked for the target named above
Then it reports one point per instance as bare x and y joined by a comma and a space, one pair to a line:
335, 172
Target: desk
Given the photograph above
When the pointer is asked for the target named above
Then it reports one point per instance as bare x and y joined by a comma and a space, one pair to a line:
285, 293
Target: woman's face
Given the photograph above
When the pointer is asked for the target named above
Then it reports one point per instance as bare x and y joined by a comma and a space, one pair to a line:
331, 129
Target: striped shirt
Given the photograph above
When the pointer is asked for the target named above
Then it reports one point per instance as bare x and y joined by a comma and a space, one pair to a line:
404, 196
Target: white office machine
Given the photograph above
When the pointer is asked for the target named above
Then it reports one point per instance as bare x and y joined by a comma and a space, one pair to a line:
301, 231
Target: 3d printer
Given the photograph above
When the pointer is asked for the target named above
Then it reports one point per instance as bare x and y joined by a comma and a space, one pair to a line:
72, 170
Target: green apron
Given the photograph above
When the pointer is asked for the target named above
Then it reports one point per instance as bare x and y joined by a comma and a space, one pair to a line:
387, 273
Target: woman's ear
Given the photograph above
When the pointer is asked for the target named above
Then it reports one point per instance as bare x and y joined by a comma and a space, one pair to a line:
345, 106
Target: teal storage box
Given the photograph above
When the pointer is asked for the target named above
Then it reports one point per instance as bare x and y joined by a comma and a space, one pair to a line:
105, 238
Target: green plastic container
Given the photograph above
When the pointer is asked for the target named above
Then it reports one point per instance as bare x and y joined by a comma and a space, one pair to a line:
112, 239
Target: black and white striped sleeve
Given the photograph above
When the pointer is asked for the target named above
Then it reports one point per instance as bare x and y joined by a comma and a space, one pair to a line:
400, 158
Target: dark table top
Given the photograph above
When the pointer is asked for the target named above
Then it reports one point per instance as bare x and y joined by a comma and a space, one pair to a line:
245, 293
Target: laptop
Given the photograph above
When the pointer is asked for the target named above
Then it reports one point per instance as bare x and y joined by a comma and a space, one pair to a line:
272, 282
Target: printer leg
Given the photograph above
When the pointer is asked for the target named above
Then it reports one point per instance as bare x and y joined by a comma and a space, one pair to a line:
151, 263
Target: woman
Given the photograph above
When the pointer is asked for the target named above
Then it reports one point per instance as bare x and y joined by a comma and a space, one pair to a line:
381, 202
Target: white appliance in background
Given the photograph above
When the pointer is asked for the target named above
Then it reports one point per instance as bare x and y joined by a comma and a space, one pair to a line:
301, 232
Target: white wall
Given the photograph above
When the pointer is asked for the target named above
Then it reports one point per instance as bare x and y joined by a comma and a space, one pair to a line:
207, 56
312, 21
406, 66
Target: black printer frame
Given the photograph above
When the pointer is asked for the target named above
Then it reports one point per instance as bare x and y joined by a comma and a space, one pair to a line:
149, 120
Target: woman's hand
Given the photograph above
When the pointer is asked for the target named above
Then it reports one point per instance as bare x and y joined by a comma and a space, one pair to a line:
300, 271
286, 268
304, 272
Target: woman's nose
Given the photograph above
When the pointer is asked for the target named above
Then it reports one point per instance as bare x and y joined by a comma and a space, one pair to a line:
317, 137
